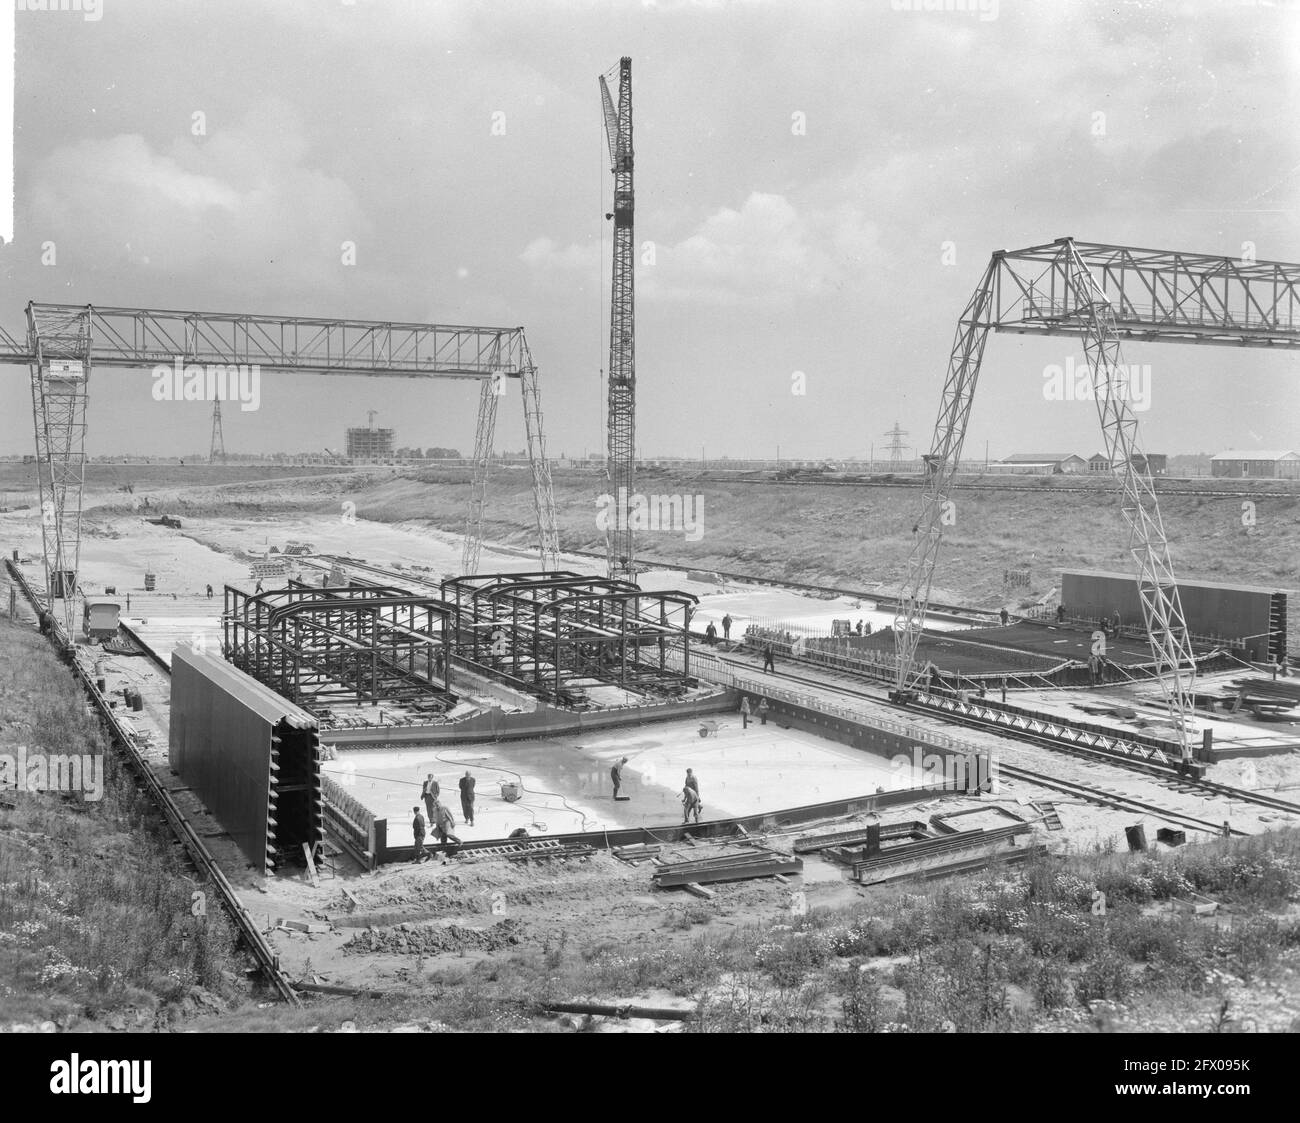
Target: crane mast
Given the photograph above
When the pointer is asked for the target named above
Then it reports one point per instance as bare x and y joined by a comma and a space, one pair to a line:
621, 435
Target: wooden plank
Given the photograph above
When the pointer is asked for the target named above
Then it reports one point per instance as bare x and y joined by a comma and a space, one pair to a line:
668, 876
311, 865
698, 890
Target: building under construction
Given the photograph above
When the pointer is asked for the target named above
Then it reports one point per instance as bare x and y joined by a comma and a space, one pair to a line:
370, 444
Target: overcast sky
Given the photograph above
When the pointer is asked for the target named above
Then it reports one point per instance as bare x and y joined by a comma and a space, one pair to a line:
799, 168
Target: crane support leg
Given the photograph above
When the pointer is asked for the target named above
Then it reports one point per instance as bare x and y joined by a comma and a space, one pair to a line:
1162, 608
941, 465
483, 439
62, 348
548, 535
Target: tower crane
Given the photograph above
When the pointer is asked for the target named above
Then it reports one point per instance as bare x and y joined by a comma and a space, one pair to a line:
621, 433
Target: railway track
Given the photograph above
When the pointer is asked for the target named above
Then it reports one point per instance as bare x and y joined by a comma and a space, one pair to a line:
175, 818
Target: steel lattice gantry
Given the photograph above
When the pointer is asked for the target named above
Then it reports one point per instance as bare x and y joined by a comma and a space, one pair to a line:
65, 342
554, 634
360, 643
620, 546
1102, 294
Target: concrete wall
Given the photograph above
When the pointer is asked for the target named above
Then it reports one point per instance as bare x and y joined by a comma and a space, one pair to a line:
544, 721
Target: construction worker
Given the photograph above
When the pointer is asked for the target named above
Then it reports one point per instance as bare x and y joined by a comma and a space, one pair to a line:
443, 825
744, 712
467, 798
209, 592
726, 627
710, 634
419, 830
859, 627
769, 664
258, 589
692, 782
763, 707
429, 793
616, 774
1005, 615
690, 804
1060, 614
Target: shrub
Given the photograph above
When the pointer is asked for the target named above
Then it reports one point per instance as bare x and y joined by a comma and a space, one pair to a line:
1106, 975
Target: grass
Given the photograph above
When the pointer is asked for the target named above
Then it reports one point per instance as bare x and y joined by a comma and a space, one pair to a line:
1008, 951
95, 912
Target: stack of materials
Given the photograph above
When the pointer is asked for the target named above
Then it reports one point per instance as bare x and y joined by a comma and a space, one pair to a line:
950, 854
754, 861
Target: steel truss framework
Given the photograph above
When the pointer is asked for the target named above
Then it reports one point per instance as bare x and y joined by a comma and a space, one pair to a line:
620, 546
60, 334
550, 633
59, 352
1102, 294
361, 643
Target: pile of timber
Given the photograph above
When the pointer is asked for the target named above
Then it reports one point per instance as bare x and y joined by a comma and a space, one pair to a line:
940, 857
750, 862
637, 852
1262, 694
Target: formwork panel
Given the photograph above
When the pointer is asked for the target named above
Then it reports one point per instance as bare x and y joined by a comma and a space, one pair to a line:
251, 756
1254, 615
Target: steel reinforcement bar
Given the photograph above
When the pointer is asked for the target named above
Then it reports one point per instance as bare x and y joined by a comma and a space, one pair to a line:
266, 958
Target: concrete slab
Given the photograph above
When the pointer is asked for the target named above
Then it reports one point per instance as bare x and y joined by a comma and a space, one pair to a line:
567, 783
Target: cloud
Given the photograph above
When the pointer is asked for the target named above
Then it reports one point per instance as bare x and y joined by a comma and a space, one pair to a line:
236, 204
766, 252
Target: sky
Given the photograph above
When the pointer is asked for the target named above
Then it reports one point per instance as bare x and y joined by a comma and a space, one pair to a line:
818, 189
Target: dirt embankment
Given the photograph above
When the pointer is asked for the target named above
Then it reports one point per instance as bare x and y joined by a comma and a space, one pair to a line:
821, 533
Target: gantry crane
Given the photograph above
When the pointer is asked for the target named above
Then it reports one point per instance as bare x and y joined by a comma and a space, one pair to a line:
64, 343
1100, 294
621, 463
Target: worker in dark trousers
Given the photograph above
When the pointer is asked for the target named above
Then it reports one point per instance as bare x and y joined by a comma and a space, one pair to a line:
616, 774
443, 825
429, 793
1060, 614
710, 634
467, 798
690, 804
763, 707
1005, 616
692, 782
209, 592
726, 627
419, 830
744, 712
769, 664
